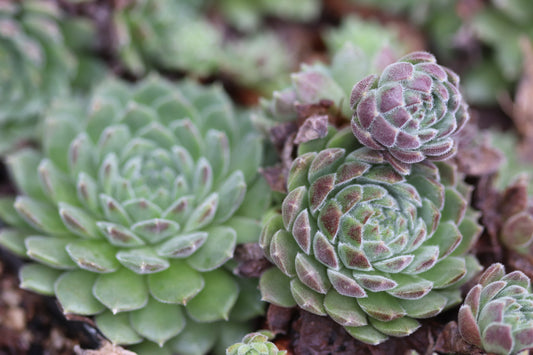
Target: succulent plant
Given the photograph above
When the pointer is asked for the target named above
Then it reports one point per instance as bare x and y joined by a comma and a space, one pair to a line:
410, 111
258, 61
165, 34
255, 344
135, 207
497, 315
332, 82
371, 248
248, 15
36, 66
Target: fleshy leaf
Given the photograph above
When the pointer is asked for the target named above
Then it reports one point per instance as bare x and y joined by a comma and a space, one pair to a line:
74, 291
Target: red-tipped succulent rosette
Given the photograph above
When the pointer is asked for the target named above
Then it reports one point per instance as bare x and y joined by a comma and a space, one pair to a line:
410, 111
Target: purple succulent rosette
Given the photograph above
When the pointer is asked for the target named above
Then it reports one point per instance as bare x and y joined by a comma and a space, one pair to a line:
371, 248
497, 315
410, 111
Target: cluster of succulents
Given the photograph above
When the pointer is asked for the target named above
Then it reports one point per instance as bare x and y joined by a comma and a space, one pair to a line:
248, 15
38, 64
332, 82
497, 315
176, 35
255, 344
133, 209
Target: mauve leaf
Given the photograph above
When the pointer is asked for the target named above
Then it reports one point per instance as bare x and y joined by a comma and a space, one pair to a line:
73, 289
117, 328
121, 291
206, 308
468, 326
497, 338
50, 251
186, 283
157, 321
275, 288
95, 256
38, 278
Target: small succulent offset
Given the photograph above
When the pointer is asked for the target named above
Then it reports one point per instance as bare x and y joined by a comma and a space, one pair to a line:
35, 66
497, 315
334, 81
410, 111
255, 344
369, 247
134, 210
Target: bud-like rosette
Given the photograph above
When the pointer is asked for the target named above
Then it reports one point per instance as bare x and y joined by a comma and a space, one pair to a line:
255, 344
410, 111
134, 209
497, 315
369, 247
35, 66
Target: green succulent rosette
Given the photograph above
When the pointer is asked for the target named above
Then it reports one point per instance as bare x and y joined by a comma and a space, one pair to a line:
247, 15
497, 315
255, 344
166, 34
134, 209
371, 248
35, 66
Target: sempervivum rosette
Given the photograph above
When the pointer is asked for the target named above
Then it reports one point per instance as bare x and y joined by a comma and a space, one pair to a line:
497, 315
255, 344
35, 66
410, 111
365, 245
135, 208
